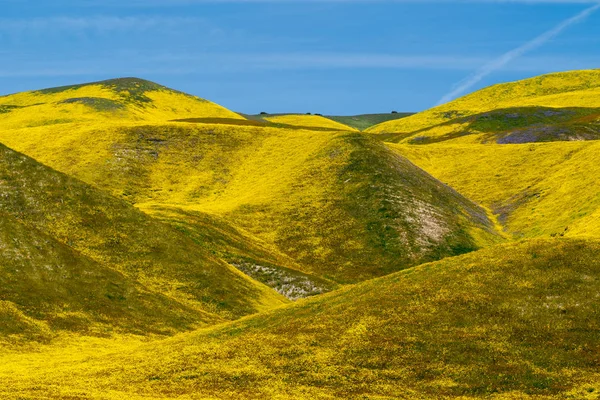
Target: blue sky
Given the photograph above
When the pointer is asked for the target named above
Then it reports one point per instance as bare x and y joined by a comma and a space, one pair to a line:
330, 57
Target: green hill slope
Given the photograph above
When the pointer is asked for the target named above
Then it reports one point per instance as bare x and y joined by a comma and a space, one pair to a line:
514, 321
48, 287
62, 229
365, 121
341, 205
555, 107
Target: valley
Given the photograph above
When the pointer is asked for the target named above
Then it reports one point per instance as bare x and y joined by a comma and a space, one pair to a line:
156, 245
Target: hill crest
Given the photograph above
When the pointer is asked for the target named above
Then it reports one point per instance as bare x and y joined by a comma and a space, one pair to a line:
121, 99
564, 91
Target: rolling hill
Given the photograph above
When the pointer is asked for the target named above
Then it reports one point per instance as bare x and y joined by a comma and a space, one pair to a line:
318, 121
534, 189
339, 204
293, 256
99, 102
515, 321
48, 287
308, 121
365, 121
555, 107
74, 257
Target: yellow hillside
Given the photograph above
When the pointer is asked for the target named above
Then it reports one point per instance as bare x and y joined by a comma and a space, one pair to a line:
118, 99
561, 90
154, 245
73, 258
535, 189
325, 199
517, 321
309, 121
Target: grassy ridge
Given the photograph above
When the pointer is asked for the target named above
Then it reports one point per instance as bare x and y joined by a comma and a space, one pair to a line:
341, 205
101, 102
510, 126
308, 121
48, 287
516, 102
140, 261
513, 321
189, 213
365, 121
246, 252
359, 122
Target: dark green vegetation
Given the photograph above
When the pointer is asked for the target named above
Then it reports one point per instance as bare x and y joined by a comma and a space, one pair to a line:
364, 121
404, 216
4, 109
97, 103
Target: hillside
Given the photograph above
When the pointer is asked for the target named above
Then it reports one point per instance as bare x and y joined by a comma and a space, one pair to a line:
339, 204
126, 99
534, 189
514, 321
205, 226
365, 121
308, 121
48, 287
555, 107
77, 258
250, 255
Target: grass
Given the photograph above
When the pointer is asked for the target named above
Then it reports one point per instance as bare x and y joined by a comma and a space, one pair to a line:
150, 213
344, 123
304, 193
308, 121
94, 104
245, 252
48, 287
515, 321
311, 125
567, 90
79, 259
510, 126
535, 189
365, 121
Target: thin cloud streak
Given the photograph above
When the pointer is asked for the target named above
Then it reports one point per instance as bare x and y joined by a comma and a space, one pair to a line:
97, 23
512, 55
223, 63
138, 3
211, 63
